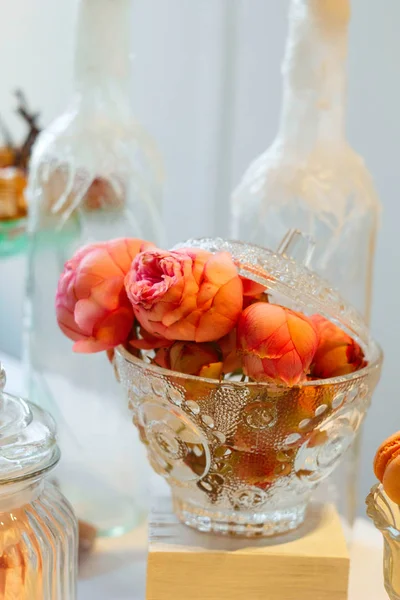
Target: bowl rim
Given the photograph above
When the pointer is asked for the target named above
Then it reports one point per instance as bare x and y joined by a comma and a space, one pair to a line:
376, 514
374, 365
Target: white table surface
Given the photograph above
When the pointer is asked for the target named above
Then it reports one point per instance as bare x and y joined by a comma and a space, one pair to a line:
117, 568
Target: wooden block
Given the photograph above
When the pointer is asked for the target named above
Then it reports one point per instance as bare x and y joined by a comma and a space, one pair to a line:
309, 564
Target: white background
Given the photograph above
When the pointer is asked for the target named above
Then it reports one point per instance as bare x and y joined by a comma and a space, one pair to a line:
206, 84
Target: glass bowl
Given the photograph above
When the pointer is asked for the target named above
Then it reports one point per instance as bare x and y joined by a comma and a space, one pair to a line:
243, 458
386, 517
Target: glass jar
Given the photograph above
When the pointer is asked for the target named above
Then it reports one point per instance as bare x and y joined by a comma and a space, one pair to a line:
38, 530
94, 175
386, 517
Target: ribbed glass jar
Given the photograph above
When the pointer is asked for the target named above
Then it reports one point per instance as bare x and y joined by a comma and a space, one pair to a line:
38, 538
38, 530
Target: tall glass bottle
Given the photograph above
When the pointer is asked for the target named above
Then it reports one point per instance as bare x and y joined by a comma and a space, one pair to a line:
312, 180
95, 175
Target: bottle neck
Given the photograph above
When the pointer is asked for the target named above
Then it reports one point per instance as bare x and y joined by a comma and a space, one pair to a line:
314, 77
102, 60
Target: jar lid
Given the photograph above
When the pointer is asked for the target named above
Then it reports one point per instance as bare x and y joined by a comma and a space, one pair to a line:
27, 438
289, 279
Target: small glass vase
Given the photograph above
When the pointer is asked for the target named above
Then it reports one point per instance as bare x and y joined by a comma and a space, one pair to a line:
386, 517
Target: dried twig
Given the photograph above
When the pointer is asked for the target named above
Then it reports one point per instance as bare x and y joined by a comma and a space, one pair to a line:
34, 130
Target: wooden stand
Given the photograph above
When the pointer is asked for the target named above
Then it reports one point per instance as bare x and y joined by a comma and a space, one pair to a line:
309, 564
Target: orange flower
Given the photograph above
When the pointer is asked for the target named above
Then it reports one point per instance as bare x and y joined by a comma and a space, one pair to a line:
258, 470
91, 303
252, 288
148, 341
231, 356
337, 353
253, 292
188, 294
191, 358
277, 343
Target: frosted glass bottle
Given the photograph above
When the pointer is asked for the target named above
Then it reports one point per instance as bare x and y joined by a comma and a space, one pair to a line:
312, 180
95, 175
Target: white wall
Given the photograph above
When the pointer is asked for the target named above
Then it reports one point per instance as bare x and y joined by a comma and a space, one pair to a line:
36, 48
211, 111
374, 129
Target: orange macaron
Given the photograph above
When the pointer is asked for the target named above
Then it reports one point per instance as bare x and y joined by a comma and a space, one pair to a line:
387, 466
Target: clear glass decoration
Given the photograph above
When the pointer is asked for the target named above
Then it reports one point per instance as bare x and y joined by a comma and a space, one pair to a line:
94, 175
386, 517
245, 458
311, 179
38, 530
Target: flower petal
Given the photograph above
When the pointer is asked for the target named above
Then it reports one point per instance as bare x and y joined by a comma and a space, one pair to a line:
278, 344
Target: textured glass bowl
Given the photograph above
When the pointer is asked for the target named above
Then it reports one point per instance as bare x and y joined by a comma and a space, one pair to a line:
243, 458
386, 517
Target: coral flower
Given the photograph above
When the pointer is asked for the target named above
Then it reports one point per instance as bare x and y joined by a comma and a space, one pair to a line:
252, 288
277, 343
337, 353
253, 292
258, 469
147, 341
187, 294
92, 307
191, 358
231, 356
